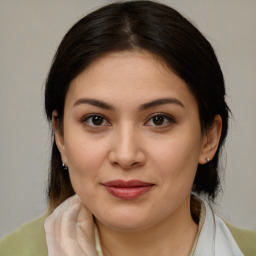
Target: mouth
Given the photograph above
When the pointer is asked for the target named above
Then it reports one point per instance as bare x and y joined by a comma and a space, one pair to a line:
127, 190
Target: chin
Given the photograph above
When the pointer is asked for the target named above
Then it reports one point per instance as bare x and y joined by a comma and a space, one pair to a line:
125, 223
126, 227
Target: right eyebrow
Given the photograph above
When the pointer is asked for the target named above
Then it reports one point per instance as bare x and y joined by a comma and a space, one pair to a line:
161, 101
94, 102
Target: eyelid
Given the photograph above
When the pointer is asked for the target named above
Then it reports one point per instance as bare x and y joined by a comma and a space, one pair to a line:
88, 116
169, 117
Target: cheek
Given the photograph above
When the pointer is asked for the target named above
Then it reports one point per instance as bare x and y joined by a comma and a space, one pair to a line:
177, 158
84, 152
178, 151
85, 159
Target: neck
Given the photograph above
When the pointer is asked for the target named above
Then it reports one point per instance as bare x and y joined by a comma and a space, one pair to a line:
174, 235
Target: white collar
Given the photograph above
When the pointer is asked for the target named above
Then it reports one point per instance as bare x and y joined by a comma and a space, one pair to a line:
215, 238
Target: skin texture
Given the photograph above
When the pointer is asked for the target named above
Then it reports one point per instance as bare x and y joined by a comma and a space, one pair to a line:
128, 143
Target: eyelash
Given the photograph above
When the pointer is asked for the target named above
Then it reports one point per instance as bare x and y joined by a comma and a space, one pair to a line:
87, 118
165, 118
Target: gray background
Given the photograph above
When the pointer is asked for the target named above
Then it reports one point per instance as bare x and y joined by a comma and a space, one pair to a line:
30, 31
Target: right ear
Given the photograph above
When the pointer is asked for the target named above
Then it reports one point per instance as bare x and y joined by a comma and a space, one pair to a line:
58, 135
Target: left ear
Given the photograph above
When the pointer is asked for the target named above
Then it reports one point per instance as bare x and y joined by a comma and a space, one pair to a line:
211, 138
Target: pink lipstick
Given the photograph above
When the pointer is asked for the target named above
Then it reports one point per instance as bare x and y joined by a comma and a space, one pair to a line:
128, 190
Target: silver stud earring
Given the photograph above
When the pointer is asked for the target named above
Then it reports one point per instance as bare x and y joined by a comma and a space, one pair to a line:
207, 160
64, 167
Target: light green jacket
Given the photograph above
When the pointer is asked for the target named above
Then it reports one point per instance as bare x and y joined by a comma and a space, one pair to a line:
29, 240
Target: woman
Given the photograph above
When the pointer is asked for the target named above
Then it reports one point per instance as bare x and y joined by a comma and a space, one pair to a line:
136, 99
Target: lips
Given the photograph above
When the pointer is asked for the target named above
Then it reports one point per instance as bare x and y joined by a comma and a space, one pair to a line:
128, 190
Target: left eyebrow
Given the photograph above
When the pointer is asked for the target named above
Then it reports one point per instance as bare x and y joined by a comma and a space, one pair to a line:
94, 102
159, 102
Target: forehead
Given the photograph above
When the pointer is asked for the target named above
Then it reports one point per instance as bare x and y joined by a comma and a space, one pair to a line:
133, 76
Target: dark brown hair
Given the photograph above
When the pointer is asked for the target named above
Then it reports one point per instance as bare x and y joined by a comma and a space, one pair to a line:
160, 30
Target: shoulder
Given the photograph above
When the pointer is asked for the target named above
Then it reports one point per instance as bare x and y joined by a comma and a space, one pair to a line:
28, 240
245, 239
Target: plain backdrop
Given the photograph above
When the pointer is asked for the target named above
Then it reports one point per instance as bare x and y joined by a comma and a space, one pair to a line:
30, 31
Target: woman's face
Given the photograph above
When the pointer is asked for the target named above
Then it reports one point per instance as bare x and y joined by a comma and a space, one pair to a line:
132, 140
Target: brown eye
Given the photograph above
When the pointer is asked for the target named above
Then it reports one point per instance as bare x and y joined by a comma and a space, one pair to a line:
160, 120
96, 121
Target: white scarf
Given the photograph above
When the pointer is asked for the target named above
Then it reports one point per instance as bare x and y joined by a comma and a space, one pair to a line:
70, 231
215, 238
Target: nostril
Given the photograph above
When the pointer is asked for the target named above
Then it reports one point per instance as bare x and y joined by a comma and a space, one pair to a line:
126, 157
136, 164
115, 163
126, 166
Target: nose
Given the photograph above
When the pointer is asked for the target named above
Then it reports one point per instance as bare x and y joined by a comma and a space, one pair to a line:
127, 149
